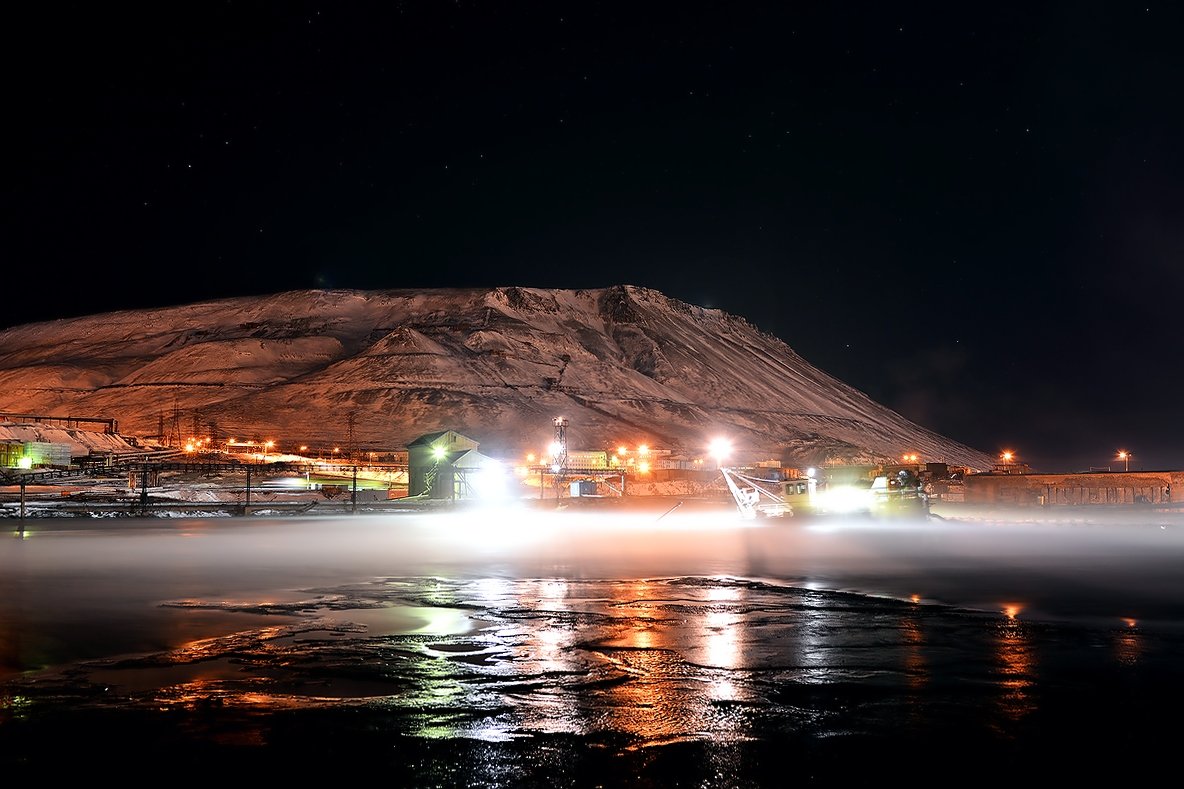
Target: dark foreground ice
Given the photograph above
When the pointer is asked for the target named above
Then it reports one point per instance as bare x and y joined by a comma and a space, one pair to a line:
554, 649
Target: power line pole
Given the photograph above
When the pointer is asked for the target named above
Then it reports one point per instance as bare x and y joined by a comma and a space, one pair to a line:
175, 433
351, 445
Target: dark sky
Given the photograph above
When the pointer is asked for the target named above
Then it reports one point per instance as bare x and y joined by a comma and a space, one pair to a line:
974, 213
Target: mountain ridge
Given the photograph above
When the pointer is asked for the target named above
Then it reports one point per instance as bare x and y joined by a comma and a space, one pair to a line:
622, 364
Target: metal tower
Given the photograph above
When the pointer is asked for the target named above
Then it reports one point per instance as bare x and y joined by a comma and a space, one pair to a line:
559, 448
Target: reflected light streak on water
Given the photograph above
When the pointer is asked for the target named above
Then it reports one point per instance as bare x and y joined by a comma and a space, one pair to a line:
1017, 666
1128, 645
723, 625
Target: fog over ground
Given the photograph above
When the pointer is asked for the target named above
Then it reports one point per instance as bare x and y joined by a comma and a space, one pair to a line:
1108, 569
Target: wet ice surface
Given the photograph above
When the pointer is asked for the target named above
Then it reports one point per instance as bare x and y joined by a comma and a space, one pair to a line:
597, 652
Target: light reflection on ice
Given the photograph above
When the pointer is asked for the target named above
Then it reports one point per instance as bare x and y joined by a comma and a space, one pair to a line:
405, 619
554, 623
1017, 667
722, 626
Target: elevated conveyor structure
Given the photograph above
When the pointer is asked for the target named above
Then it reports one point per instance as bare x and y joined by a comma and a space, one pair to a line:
755, 497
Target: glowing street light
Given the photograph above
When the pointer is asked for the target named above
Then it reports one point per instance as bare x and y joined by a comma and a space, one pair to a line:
720, 448
1125, 457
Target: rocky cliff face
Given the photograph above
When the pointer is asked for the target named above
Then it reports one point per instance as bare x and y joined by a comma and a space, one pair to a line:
623, 365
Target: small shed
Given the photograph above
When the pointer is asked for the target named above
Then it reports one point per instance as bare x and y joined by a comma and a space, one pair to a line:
444, 465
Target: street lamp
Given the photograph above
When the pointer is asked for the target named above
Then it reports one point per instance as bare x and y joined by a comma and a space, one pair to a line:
720, 448
1125, 457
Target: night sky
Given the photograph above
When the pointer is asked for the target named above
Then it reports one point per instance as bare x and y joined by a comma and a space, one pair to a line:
974, 213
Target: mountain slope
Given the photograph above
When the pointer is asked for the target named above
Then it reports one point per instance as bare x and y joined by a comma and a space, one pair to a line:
623, 365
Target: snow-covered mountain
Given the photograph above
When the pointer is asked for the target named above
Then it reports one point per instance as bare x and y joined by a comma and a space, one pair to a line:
622, 365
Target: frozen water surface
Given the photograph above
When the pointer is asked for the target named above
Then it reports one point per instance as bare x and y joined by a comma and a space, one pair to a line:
557, 648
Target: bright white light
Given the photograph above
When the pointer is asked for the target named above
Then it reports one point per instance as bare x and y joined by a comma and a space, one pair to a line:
846, 499
489, 482
720, 448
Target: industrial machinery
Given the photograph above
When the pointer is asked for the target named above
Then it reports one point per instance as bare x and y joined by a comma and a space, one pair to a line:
755, 496
884, 496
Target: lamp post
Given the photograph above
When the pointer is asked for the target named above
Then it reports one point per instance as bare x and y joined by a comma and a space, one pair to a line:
720, 448
1125, 457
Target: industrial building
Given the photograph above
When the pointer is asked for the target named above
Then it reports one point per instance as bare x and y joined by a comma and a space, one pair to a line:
447, 465
34, 454
1086, 488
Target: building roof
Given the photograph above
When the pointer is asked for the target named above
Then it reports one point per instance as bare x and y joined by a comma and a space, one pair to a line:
429, 439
